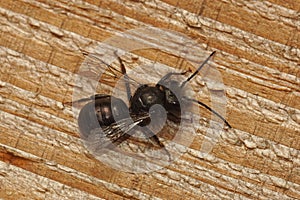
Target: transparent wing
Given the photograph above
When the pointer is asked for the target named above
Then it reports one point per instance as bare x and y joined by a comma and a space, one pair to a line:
100, 140
99, 70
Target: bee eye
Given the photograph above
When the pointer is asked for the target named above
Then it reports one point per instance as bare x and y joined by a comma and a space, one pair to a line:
145, 97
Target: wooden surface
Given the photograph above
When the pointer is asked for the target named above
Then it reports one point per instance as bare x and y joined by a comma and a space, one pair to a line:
258, 54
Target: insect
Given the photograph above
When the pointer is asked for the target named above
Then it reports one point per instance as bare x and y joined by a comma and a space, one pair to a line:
112, 121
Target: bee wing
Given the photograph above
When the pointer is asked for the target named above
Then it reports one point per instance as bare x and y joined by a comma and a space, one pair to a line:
101, 140
110, 73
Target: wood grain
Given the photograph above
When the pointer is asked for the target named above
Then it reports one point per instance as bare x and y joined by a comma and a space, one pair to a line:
258, 55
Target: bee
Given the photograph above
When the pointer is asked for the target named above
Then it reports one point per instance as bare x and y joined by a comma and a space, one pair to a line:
111, 121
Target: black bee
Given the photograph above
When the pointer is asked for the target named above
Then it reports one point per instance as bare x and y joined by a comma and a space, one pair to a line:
112, 121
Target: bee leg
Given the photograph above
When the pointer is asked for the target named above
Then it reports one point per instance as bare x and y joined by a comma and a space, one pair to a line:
70, 103
149, 134
93, 97
126, 78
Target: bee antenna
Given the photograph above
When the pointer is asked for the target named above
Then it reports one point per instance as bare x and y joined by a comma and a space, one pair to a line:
211, 110
199, 68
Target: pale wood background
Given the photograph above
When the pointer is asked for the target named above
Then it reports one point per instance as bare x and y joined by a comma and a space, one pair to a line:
41, 155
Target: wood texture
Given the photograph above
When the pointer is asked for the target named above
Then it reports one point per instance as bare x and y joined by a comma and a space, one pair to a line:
258, 54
